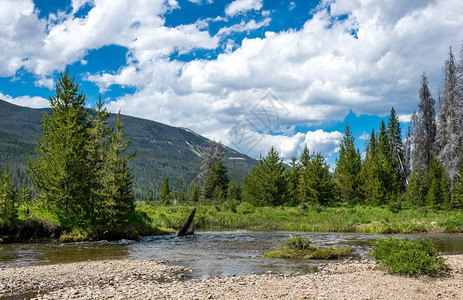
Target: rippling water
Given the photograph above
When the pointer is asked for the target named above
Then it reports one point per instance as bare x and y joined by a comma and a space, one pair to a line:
214, 253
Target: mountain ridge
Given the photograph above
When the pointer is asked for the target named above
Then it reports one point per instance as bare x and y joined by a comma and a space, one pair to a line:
162, 150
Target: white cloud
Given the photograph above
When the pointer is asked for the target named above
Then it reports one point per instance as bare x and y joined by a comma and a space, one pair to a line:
365, 136
27, 101
242, 6
244, 26
405, 118
367, 61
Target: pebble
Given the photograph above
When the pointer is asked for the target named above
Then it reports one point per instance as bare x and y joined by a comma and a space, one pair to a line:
137, 279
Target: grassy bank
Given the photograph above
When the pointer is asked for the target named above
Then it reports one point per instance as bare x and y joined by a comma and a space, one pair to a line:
361, 219
150, 219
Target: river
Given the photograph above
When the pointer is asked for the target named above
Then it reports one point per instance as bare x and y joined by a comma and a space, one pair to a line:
209, 253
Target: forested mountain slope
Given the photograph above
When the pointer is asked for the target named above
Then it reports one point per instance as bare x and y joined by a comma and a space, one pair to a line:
161, 149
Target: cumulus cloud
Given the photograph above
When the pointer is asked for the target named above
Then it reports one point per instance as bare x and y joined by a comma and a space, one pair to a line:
244, 26
242, 6
364, 56
26, 101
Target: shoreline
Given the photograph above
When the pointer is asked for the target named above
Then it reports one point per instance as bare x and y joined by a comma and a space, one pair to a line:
140, 279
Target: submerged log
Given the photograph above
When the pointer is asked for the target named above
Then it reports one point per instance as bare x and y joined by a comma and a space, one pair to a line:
187, 224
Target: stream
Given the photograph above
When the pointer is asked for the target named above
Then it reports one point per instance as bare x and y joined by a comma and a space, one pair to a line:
209, 253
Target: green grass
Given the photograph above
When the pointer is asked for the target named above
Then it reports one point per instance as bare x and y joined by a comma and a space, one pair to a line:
408, 257
300, 247
361, 219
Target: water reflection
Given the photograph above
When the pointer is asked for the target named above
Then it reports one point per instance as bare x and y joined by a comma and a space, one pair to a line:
210, 254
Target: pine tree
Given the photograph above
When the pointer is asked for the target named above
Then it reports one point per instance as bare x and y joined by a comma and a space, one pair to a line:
61, 174
347, 170
415, 192
195, 192
97, 147
457, 196
370, 183
292, 175
266, 184
216, 185
449, 133
436, 185
396, 149
118, 179
8, 198
234, 191
164, 195
320, 184
424, 129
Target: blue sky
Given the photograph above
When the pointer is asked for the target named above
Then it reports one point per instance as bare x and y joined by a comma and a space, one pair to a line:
250, 73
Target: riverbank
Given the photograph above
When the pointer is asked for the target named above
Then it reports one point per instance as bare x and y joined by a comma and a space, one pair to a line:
132, 279
358, 219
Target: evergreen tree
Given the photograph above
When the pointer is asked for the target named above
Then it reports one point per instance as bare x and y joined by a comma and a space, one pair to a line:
457, 196
292, 175
97, 147
449, 133
347, 170
370, 182
320, 184
415, 192
217, 182
396, 149
118, 179
424, 129
195, 192
436, 185
379, 179
164, 196
61, 174
234, 191
266, 184
8, 198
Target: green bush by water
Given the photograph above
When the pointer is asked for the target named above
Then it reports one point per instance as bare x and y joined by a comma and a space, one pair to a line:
408, 257
300, 247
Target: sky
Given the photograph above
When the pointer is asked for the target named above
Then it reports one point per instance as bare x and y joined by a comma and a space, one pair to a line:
248, 73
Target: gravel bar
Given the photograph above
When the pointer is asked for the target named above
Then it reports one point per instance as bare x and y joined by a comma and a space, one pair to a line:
138, 279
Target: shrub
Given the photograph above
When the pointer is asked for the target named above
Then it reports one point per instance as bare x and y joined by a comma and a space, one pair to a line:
408, 257
299, 247
298, 242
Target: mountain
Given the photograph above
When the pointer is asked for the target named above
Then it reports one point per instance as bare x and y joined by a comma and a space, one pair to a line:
161, 150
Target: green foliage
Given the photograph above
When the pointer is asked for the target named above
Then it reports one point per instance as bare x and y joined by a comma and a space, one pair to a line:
457, 196
348, 166
117, 183
61, 173
298, 242
234, 191
321, 188
266, 184
8, 198
408, 257
299, 247
80, 174
164, 196
430, 189
216, 185
195, 192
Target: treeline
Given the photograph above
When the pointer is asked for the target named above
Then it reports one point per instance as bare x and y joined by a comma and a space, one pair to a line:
422, 169
80, 175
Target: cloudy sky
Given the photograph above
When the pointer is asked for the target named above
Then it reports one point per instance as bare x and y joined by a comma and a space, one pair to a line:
250, 73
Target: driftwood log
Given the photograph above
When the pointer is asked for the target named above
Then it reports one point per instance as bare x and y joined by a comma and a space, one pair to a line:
187, 229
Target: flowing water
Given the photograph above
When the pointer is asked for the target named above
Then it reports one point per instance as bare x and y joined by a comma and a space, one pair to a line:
210, 254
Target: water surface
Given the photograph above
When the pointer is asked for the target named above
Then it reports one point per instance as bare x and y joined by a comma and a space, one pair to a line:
210, 253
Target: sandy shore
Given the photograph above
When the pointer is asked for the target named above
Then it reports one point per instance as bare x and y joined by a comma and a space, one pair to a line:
134, 279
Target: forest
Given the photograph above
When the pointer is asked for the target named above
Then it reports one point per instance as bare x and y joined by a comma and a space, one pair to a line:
81, 179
